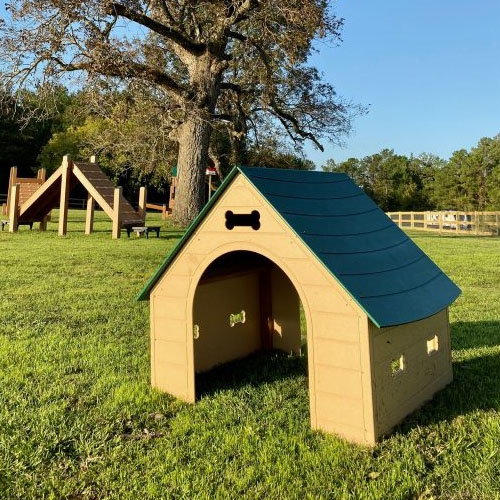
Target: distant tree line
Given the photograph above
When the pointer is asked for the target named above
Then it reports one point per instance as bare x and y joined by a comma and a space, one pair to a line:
468, 180
133, 147
122, 129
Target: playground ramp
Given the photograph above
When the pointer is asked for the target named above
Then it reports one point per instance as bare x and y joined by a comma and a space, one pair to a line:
93, 179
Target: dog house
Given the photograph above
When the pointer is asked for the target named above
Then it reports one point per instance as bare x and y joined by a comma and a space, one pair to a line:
375, 306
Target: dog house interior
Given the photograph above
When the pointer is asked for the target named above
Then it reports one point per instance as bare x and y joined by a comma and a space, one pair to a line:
243, 303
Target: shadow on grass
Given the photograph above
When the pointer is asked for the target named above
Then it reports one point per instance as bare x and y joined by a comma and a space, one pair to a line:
258, 369
164, 234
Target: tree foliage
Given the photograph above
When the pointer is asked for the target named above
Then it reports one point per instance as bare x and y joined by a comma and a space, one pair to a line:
237, 66
21, 143
469, 180
128, 140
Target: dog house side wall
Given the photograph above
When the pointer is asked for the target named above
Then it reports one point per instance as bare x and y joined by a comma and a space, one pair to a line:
399, 393
337, 330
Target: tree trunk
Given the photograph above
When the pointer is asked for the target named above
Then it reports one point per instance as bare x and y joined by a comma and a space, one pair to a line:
194, 135
194, 138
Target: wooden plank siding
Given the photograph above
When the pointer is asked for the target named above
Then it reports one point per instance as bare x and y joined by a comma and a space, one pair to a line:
398, 394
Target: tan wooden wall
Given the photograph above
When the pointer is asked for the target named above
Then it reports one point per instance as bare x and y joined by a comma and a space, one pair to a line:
399, 393
337, 330
214, 302
475, 223
285, 304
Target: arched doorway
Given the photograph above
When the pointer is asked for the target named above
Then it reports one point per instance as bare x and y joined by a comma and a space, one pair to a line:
244, 303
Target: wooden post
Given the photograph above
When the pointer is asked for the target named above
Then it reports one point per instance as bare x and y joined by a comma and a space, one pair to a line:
143, 198
63, 204
116, 216
14, 209
440, 221
89, 219
12, 181
476, 222
457, 222
164, 212
412, 220
42, 175
43, 223
400, 219
426, 218
497, 222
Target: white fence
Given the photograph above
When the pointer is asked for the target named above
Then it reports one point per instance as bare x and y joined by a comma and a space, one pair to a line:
478, 223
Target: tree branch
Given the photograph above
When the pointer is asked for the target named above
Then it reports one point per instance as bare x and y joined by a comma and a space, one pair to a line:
231, 86
130, 69
286, 119
262, 53
163, 30
166, 11
241, 13
223, 117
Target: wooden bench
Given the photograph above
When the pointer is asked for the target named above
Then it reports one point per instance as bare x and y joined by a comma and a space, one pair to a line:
140, 230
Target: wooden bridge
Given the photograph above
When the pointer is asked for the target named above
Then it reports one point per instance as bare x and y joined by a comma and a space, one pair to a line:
55, 191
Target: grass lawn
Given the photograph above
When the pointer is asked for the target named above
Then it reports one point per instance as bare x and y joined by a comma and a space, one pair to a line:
79, 420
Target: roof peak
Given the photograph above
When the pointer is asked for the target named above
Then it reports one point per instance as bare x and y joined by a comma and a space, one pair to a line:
283, 172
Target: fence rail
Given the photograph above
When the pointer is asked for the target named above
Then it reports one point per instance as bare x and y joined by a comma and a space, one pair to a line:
478, 223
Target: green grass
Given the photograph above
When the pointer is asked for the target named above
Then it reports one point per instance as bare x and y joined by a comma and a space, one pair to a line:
79, 420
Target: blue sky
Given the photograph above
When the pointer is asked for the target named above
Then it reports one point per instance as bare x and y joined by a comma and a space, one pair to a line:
429, 69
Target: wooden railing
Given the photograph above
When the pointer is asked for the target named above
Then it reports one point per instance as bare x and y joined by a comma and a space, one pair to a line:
478, 223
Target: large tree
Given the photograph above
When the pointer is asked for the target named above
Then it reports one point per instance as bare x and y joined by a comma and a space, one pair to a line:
212, 63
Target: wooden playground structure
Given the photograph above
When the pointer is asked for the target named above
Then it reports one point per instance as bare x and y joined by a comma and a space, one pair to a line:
32, 200
27, 187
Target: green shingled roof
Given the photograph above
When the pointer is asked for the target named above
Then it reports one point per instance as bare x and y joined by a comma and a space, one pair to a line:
387, 274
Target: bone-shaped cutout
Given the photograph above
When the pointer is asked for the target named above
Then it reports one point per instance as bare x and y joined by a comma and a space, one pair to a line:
249, 220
